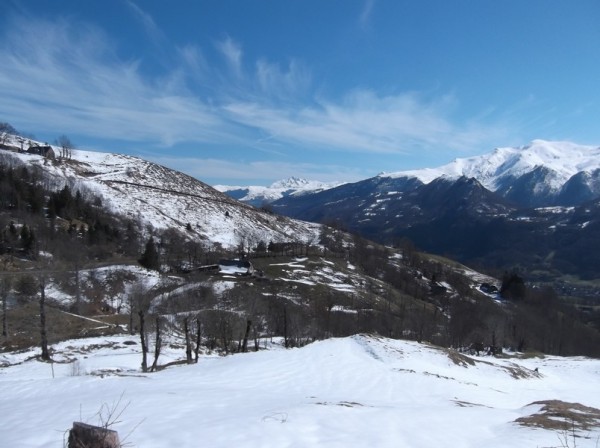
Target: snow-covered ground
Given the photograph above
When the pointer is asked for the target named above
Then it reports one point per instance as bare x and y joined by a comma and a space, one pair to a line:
313, 272
361, 391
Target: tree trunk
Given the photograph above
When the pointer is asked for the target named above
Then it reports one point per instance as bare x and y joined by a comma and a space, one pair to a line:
198, 339
144, 344
245, 343
255, 334
77, 290
225, 337
188, 342
131, 332
285, 329
83, 435
157, 345
4, 322
43, 330
5, 288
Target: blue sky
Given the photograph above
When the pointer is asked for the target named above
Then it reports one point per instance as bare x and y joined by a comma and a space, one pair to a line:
249, 92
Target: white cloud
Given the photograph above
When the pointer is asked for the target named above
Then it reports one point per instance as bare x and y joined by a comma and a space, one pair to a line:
290, 83
207, 169
70, 79
365, 122
152, 30
67, 77
232, 53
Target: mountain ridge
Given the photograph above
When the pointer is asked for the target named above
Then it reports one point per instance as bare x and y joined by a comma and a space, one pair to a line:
566, 158
258, 196
540, 216
539, 174
549, 165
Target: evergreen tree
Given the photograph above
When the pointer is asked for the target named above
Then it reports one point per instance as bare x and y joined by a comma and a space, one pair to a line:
513, 286
149, 258
27, 238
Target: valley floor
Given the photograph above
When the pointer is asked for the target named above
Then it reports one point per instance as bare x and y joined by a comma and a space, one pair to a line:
352, 392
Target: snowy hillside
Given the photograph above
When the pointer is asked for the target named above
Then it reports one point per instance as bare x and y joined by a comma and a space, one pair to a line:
163, 198
361, 391
293, 186
495, 170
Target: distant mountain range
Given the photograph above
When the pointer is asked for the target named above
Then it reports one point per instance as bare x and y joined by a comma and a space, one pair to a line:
536, 206
540, 174
259, 195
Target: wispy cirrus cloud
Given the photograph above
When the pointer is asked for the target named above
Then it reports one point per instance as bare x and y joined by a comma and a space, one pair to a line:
232, 52
366, 122
73, 79
365, 14
290, 83
148, 23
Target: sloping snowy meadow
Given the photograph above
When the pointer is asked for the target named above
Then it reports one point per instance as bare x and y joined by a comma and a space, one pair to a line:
352, 392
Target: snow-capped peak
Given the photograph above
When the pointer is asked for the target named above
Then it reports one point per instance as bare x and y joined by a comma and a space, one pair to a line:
257, 195
562, 159
291, 183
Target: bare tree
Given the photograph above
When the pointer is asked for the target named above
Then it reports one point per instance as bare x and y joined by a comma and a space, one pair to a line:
141, 314
66, 146
139, 303
285, 327
188, 341
43, 327
245, 343
198, 339
157, 345
5, 130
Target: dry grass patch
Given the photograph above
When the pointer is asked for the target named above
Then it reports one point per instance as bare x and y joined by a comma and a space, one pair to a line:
514, 370
459, 359
521, 373
562, 416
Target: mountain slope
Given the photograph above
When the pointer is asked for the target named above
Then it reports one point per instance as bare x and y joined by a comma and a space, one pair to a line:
380, 206
163, 198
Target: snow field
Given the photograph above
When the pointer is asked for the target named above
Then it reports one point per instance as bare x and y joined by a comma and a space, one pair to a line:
351, 392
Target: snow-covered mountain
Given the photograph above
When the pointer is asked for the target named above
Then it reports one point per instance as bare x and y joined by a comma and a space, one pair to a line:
259, 195
164, 198
542, 173
536, 205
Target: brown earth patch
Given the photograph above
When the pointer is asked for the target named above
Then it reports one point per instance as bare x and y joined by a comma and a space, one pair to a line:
514, 370
562, 416
459, 359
